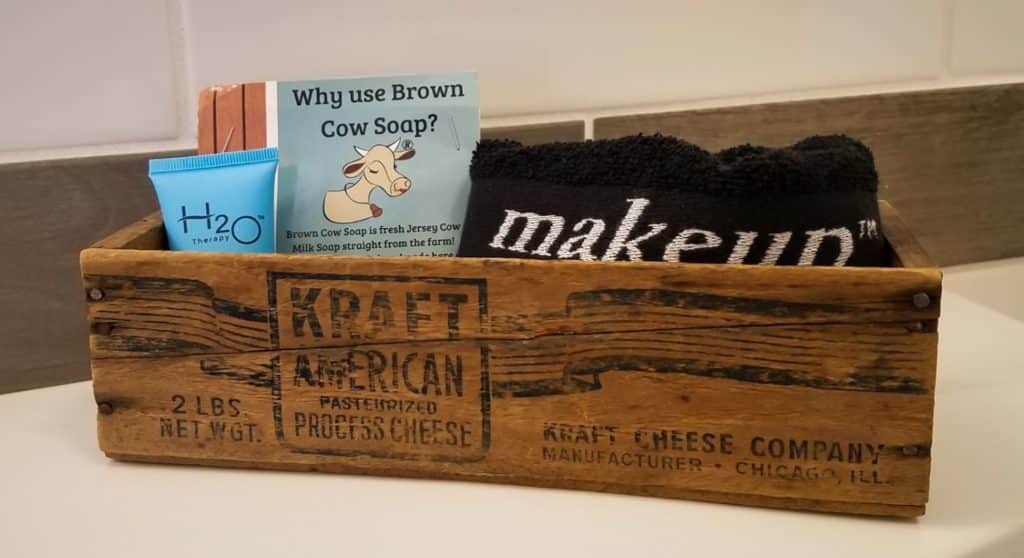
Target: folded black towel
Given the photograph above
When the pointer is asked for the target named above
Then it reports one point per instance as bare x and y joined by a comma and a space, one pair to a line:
662, 199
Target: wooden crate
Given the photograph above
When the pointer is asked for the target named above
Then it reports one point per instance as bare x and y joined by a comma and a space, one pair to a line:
791, 387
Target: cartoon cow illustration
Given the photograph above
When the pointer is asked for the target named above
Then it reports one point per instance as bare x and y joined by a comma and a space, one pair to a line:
375, 168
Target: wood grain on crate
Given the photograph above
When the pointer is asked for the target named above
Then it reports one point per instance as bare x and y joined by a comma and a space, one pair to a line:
796, 387
952, 160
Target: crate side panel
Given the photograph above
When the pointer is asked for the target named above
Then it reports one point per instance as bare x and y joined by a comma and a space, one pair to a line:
822, 412
159, 303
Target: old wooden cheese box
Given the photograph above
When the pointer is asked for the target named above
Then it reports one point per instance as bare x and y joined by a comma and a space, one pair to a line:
793, 387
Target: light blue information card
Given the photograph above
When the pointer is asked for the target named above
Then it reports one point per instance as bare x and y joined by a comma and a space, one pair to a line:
375, 165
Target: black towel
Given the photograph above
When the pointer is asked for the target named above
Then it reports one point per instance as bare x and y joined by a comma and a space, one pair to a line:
659, 198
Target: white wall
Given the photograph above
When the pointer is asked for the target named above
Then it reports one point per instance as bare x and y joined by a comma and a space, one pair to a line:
84, 78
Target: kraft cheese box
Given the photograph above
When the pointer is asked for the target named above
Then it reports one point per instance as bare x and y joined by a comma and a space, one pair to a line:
368, 165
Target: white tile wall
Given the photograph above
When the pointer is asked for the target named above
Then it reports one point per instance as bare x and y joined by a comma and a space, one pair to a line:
85, 73
988, 36
112, 75
540, 55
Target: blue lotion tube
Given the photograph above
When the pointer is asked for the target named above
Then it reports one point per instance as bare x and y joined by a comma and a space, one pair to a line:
218, 203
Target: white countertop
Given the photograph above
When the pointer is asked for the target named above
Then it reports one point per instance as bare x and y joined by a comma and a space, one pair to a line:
59, 496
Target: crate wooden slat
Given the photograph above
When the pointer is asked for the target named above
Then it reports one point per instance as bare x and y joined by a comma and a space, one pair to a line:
794, 387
